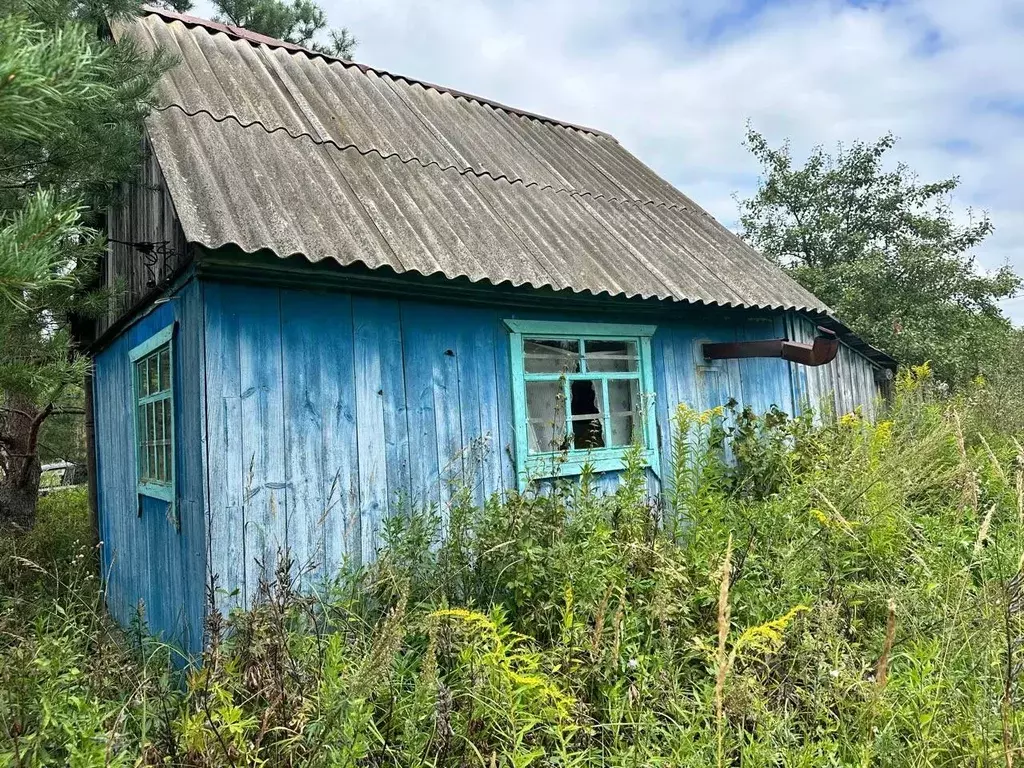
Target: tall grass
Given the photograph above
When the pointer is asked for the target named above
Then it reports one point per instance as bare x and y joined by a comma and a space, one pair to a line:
848, 594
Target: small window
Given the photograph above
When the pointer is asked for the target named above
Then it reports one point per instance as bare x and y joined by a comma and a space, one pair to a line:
153, 386
583, 393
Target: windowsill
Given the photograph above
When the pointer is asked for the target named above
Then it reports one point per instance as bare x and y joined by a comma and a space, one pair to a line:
569, 464
157, 491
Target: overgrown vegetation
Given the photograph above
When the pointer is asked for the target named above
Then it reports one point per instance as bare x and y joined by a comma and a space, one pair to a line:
839, 595
887, 252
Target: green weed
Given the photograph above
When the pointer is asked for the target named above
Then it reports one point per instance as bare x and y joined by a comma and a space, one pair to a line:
801, 594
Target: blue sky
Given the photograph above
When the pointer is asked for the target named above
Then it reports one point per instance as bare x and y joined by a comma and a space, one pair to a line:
676, 82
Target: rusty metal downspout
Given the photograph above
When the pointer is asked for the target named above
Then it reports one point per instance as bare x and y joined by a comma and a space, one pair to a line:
823, 350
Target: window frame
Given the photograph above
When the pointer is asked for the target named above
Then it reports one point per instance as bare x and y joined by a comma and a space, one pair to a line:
154, 344
567, 463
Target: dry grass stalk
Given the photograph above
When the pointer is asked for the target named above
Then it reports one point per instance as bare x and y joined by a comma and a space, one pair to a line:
722, 658
843, 523
996, 464
882, 667
595, 645
970, 477
1020, 482
983, 530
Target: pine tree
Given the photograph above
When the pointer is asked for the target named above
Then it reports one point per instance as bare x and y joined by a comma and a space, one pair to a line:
300, 22
71, 111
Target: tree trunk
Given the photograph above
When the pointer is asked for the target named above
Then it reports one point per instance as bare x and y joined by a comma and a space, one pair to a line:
20, 470
18, 500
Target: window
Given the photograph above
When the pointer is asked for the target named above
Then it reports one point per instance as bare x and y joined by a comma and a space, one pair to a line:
583, 393
153, 386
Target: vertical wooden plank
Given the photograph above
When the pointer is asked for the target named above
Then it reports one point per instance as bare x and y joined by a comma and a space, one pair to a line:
396, 423
373, 481
226, 466
470, 393
339, 443
302, 334
839, 383
797, 373
782, 391
484, 352
450, 454
506, 435
115, 470
663, 408
424, 468
190, 448
265, 510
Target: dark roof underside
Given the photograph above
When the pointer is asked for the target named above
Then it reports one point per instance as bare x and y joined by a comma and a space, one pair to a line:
267, 146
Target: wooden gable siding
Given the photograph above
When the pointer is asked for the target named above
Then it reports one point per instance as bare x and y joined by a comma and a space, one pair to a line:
146, 560
145, 214
328, 411
843, 386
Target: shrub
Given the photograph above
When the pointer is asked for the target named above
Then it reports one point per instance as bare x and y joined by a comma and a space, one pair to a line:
848, 593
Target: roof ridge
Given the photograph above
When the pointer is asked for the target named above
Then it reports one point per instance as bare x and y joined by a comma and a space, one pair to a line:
424, 163
255, 38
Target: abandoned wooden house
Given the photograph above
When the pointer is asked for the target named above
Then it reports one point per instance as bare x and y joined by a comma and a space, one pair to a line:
346, 291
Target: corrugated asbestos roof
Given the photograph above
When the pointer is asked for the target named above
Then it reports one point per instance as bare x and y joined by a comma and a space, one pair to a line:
267, 146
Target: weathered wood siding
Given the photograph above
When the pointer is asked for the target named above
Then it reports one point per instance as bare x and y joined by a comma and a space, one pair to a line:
329, 411
145, 213
147, 562
842, 386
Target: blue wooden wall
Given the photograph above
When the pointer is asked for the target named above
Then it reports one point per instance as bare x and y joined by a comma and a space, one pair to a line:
305, 418
147, 562
328, 411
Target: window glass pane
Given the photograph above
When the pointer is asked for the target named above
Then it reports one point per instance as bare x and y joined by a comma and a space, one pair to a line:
151, 375
551, 356
151, 451
587, 403
545, 415
611, 356
167, 420
141, 379
624, 403
158, 420
143, 456
165, 369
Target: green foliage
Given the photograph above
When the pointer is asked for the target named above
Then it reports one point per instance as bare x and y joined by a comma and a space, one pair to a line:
885, 251
846, 594
67, 683
71, 111
299, 21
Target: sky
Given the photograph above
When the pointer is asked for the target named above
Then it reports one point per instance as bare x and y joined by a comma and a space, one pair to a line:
676, 83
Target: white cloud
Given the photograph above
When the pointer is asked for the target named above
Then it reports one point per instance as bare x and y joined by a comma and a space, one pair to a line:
676, 82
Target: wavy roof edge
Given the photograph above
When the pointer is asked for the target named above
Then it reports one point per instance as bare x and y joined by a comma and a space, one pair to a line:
848, 337
255, 38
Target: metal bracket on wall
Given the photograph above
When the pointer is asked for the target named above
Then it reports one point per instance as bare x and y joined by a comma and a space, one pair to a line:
156, 257
823, 350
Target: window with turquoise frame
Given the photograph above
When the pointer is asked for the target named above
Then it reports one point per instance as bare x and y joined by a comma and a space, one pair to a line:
583, 393
153, 390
